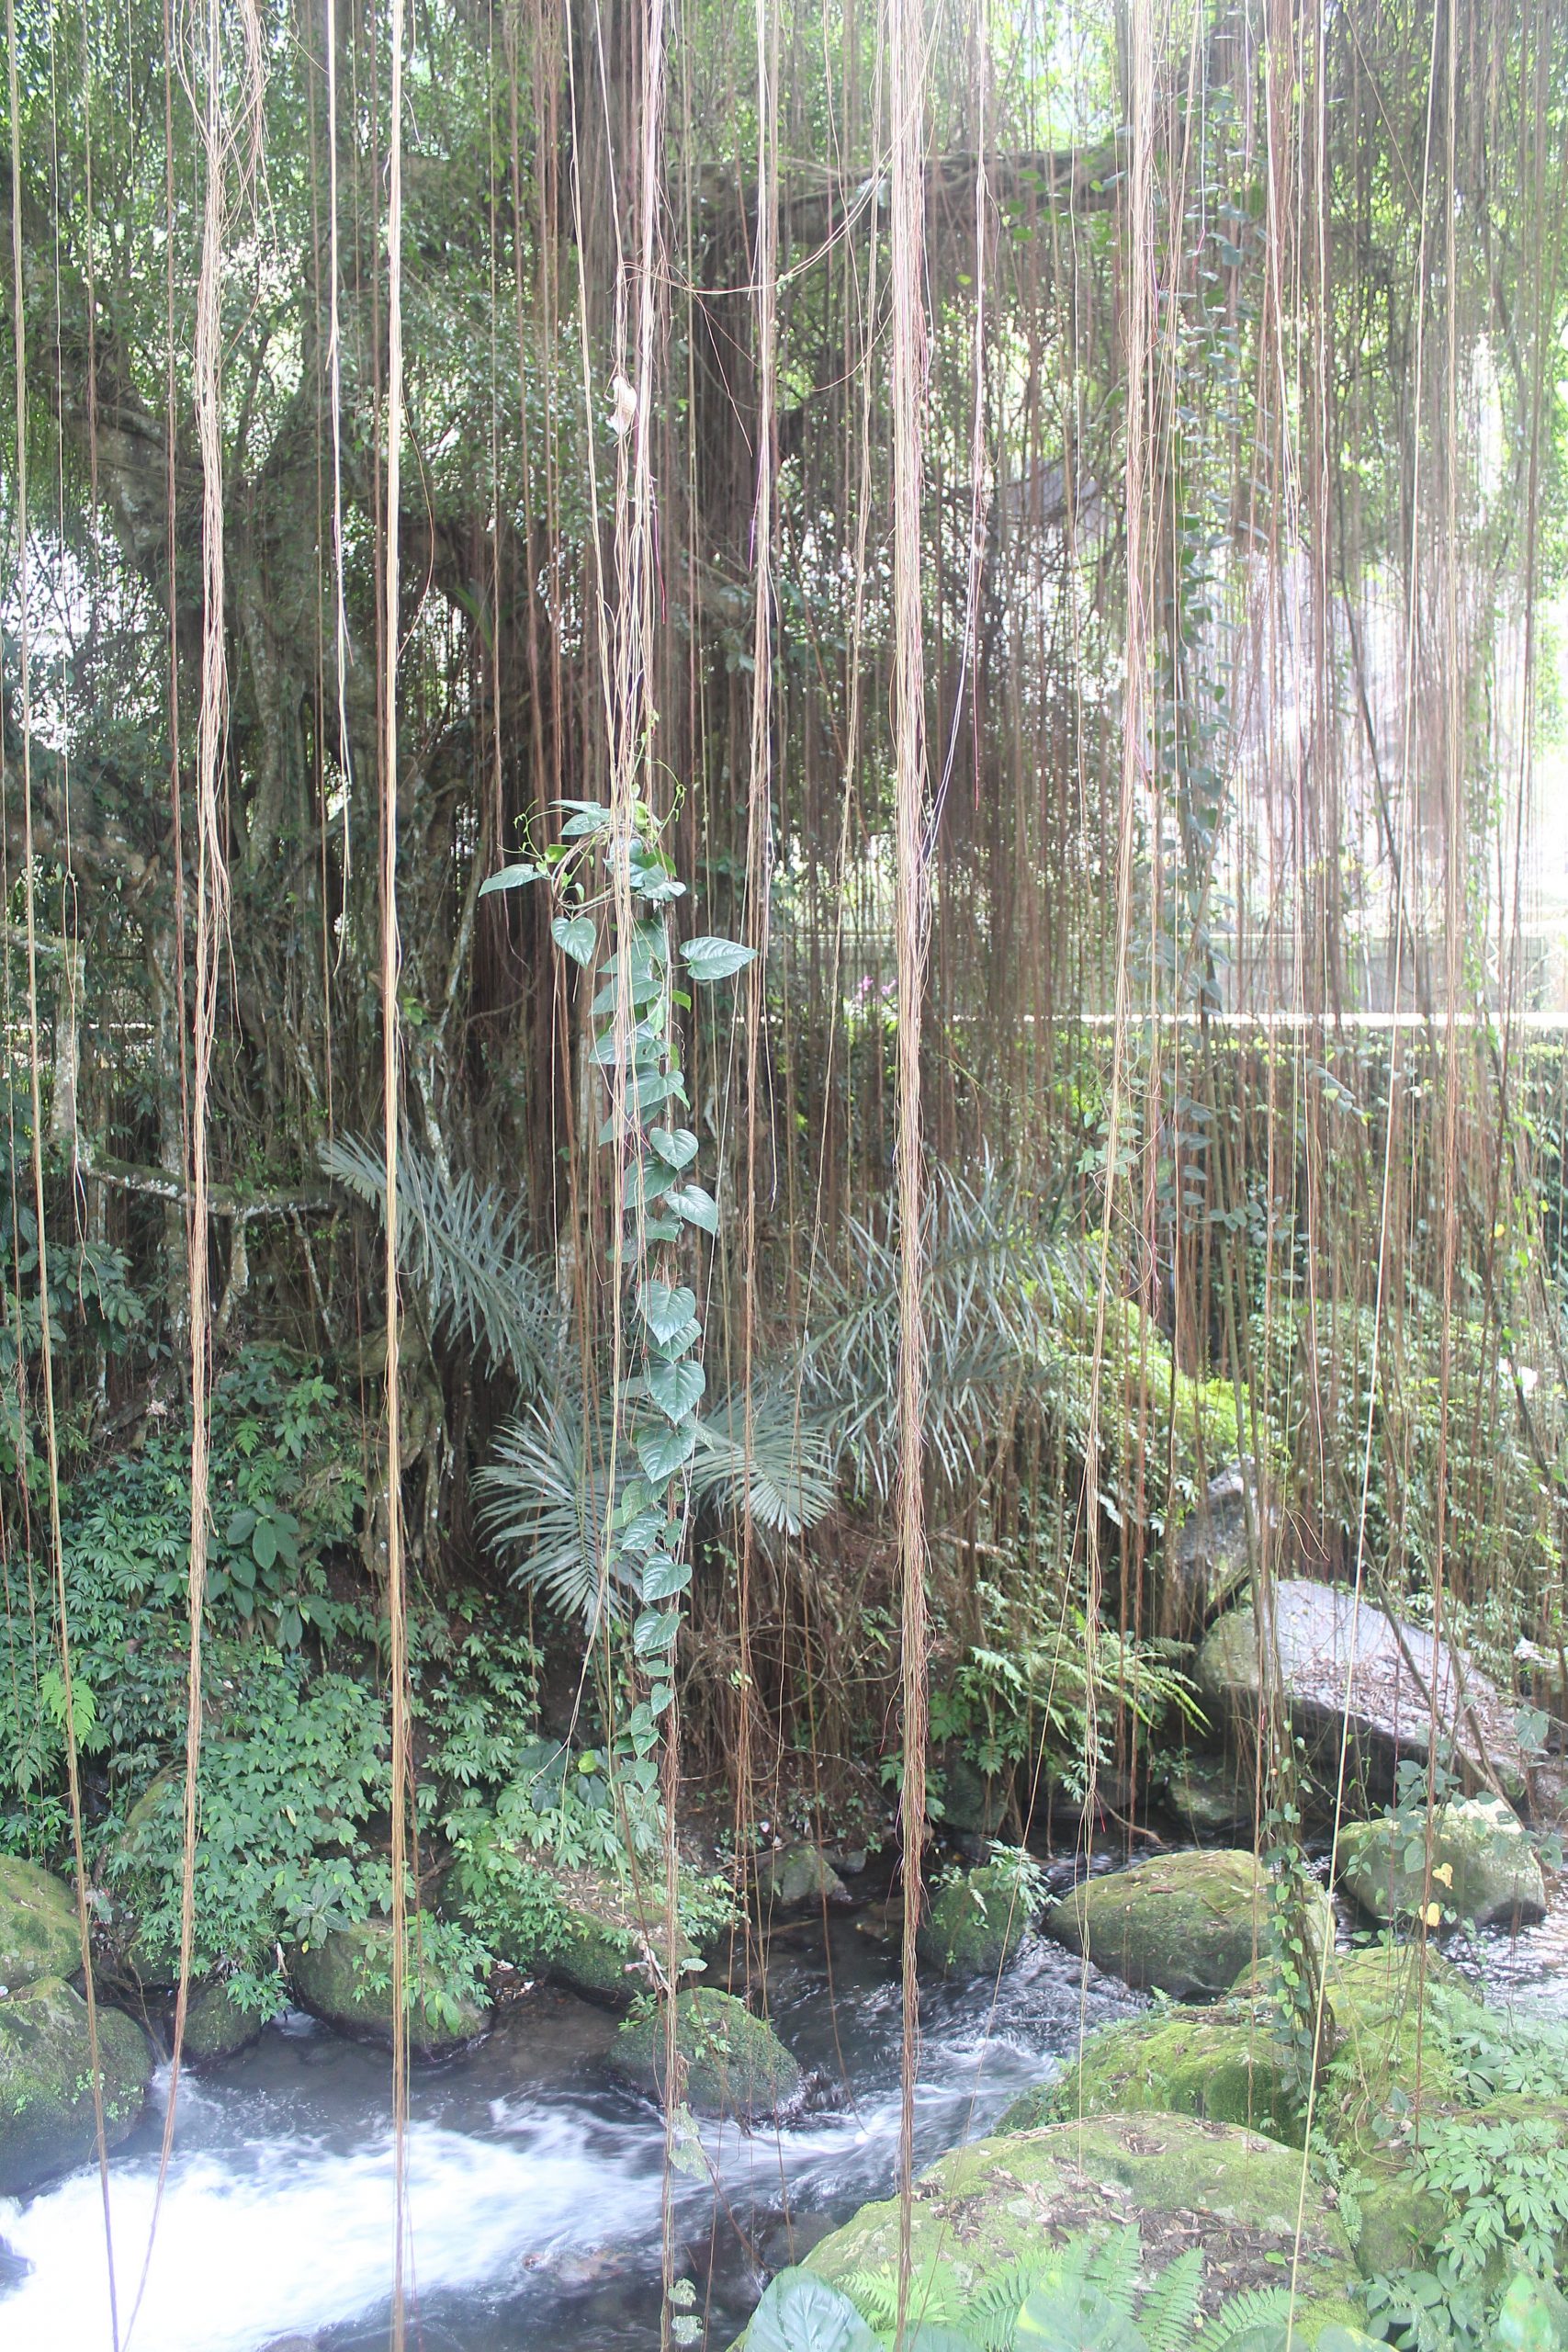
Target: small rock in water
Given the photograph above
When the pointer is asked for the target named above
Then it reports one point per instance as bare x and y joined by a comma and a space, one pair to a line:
800, 1873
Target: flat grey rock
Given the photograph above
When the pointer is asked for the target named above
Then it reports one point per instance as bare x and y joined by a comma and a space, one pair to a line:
1344, 1661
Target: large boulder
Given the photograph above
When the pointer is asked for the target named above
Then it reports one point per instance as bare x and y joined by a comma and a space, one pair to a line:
735, 2064
1183, 1924
39, 1934
1236, 2196
346, 1981
1209, 1555
47, 2122
797, 1874
1227, 2065
1482, 1865
600, 1931
975, 1923
1340, 1662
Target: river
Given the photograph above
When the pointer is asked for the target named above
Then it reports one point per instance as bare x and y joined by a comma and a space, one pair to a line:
535, 2186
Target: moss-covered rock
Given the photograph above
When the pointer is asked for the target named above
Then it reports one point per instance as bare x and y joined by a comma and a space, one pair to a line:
47, 2120
975, 1923
973, 1802
1234, 2195
1182, 1924
1390, 2057
795, 1875
216, 2027
735, 2063
602, 1932
1210, 1796
1483, 1865
1228, 2065
40, 1935
1208, 1555
346, 1981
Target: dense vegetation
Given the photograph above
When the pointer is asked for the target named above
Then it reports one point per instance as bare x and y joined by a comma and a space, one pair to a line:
614, 1072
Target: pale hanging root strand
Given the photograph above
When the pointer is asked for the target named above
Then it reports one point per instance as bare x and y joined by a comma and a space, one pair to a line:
391, 959
46, 1337
907, 42
211, 923
1138, 330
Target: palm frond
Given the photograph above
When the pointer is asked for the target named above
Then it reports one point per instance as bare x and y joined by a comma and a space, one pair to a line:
547, 1497
779, 1470
460, 1244
1000, 1279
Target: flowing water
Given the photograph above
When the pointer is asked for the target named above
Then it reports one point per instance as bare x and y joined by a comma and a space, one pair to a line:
535, 2187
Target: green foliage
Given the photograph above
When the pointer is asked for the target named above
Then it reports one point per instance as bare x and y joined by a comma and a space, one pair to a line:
288, 1780
566, 1812
1088, 2294
1432, 1406
287, 1481
1161, 1433
598, 1503
999, 1273
1040, 1686
474, 1693
461, 1247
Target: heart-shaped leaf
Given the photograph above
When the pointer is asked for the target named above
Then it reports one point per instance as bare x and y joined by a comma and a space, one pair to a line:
677, 1146
575, 935
667, 1310
655, 1632
663, 1577
697, 1208
676, 1388
664, 1451
716, 959
511, 877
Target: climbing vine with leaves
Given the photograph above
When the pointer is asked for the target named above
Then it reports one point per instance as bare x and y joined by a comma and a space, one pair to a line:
613, 886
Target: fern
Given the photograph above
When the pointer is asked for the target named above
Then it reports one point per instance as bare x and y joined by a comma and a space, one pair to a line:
1249, 2322
991, 2315
460, 1246
1171, 2308
1115, 2267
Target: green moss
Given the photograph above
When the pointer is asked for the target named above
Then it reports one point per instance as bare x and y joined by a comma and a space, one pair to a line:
1226, 2065
735, 2063
1235, 2195
216, 2027
346, 1981
1182, 1924
591, 1929
47, 2120
975, 1923
39, 1934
